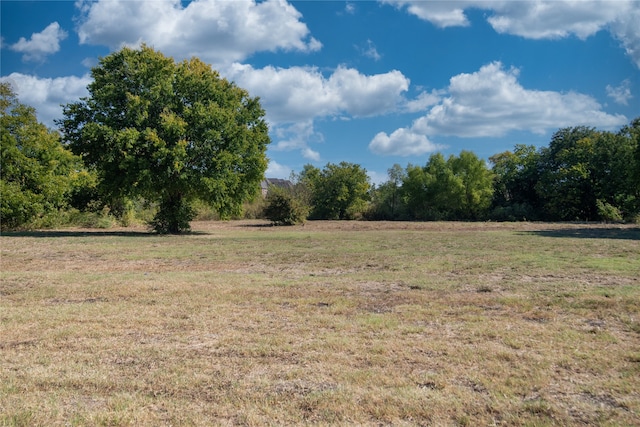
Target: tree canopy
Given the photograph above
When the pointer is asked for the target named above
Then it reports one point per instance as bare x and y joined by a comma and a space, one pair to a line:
169, 132
38, 173
459, 187
153, 131
338, 191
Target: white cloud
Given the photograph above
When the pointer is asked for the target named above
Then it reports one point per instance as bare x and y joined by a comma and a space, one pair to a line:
294, 97
287, 94
542, 19
217, 31
310, 154
422, 101
402, 142
90, 62
362, 95
297, 136
41, 44
440, 13
627, 30
46, 94
370, 51
303, 93
491, 103
276, 170
620, 94
555, 19
350, 8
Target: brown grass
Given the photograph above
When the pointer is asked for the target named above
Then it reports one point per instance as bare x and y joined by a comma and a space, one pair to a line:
330, 323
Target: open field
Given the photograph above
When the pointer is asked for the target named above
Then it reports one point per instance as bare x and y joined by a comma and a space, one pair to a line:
335, 323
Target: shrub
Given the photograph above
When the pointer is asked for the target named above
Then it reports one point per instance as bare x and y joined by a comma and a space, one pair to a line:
608, 212
284, 209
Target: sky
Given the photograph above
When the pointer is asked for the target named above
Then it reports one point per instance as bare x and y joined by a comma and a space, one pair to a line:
369, 82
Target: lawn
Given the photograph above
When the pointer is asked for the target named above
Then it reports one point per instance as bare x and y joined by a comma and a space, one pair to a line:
330, 323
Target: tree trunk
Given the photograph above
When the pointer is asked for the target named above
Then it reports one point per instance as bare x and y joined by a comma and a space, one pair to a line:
173, 215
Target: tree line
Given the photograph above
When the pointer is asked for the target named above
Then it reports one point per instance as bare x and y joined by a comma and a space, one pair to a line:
583, 174
159, 140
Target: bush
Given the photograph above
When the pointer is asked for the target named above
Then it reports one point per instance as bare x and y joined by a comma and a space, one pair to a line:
254, 209
284, 209
608, 212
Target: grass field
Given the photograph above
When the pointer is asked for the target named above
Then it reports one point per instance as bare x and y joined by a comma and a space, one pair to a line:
330, 323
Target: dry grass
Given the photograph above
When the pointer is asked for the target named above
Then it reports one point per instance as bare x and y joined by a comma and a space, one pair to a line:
331, 323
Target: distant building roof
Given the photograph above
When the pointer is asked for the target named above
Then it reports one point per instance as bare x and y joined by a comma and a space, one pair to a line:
276, 182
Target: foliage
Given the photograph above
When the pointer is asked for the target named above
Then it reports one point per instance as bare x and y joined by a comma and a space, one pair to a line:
169, 132
566, 184
283, 208
386, 203
516, 175
38, 174
631, 134
477, 184
338, 191
608, 212
580, 167
583, 174
459, 187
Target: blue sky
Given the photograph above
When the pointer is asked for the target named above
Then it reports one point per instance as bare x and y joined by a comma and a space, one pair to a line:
369, 82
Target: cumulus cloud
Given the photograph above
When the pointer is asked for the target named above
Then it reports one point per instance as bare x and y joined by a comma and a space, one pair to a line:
294, 97
491, 103
423, 101
40, 44
216, 31
620, 94
440, 13
555, 19
402, 142
545, 19
302, 93
627, 30
46, 94
287, 94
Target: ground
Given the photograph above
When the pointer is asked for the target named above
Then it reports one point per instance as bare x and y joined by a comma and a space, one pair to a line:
369, 323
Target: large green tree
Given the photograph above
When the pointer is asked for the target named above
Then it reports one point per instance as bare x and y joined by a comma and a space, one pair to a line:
566, 185
37, 173
516, 176
169, 132
459, 187
631, 136
477, 184
338, 191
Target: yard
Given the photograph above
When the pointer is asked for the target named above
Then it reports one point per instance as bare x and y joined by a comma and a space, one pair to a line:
340, 323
